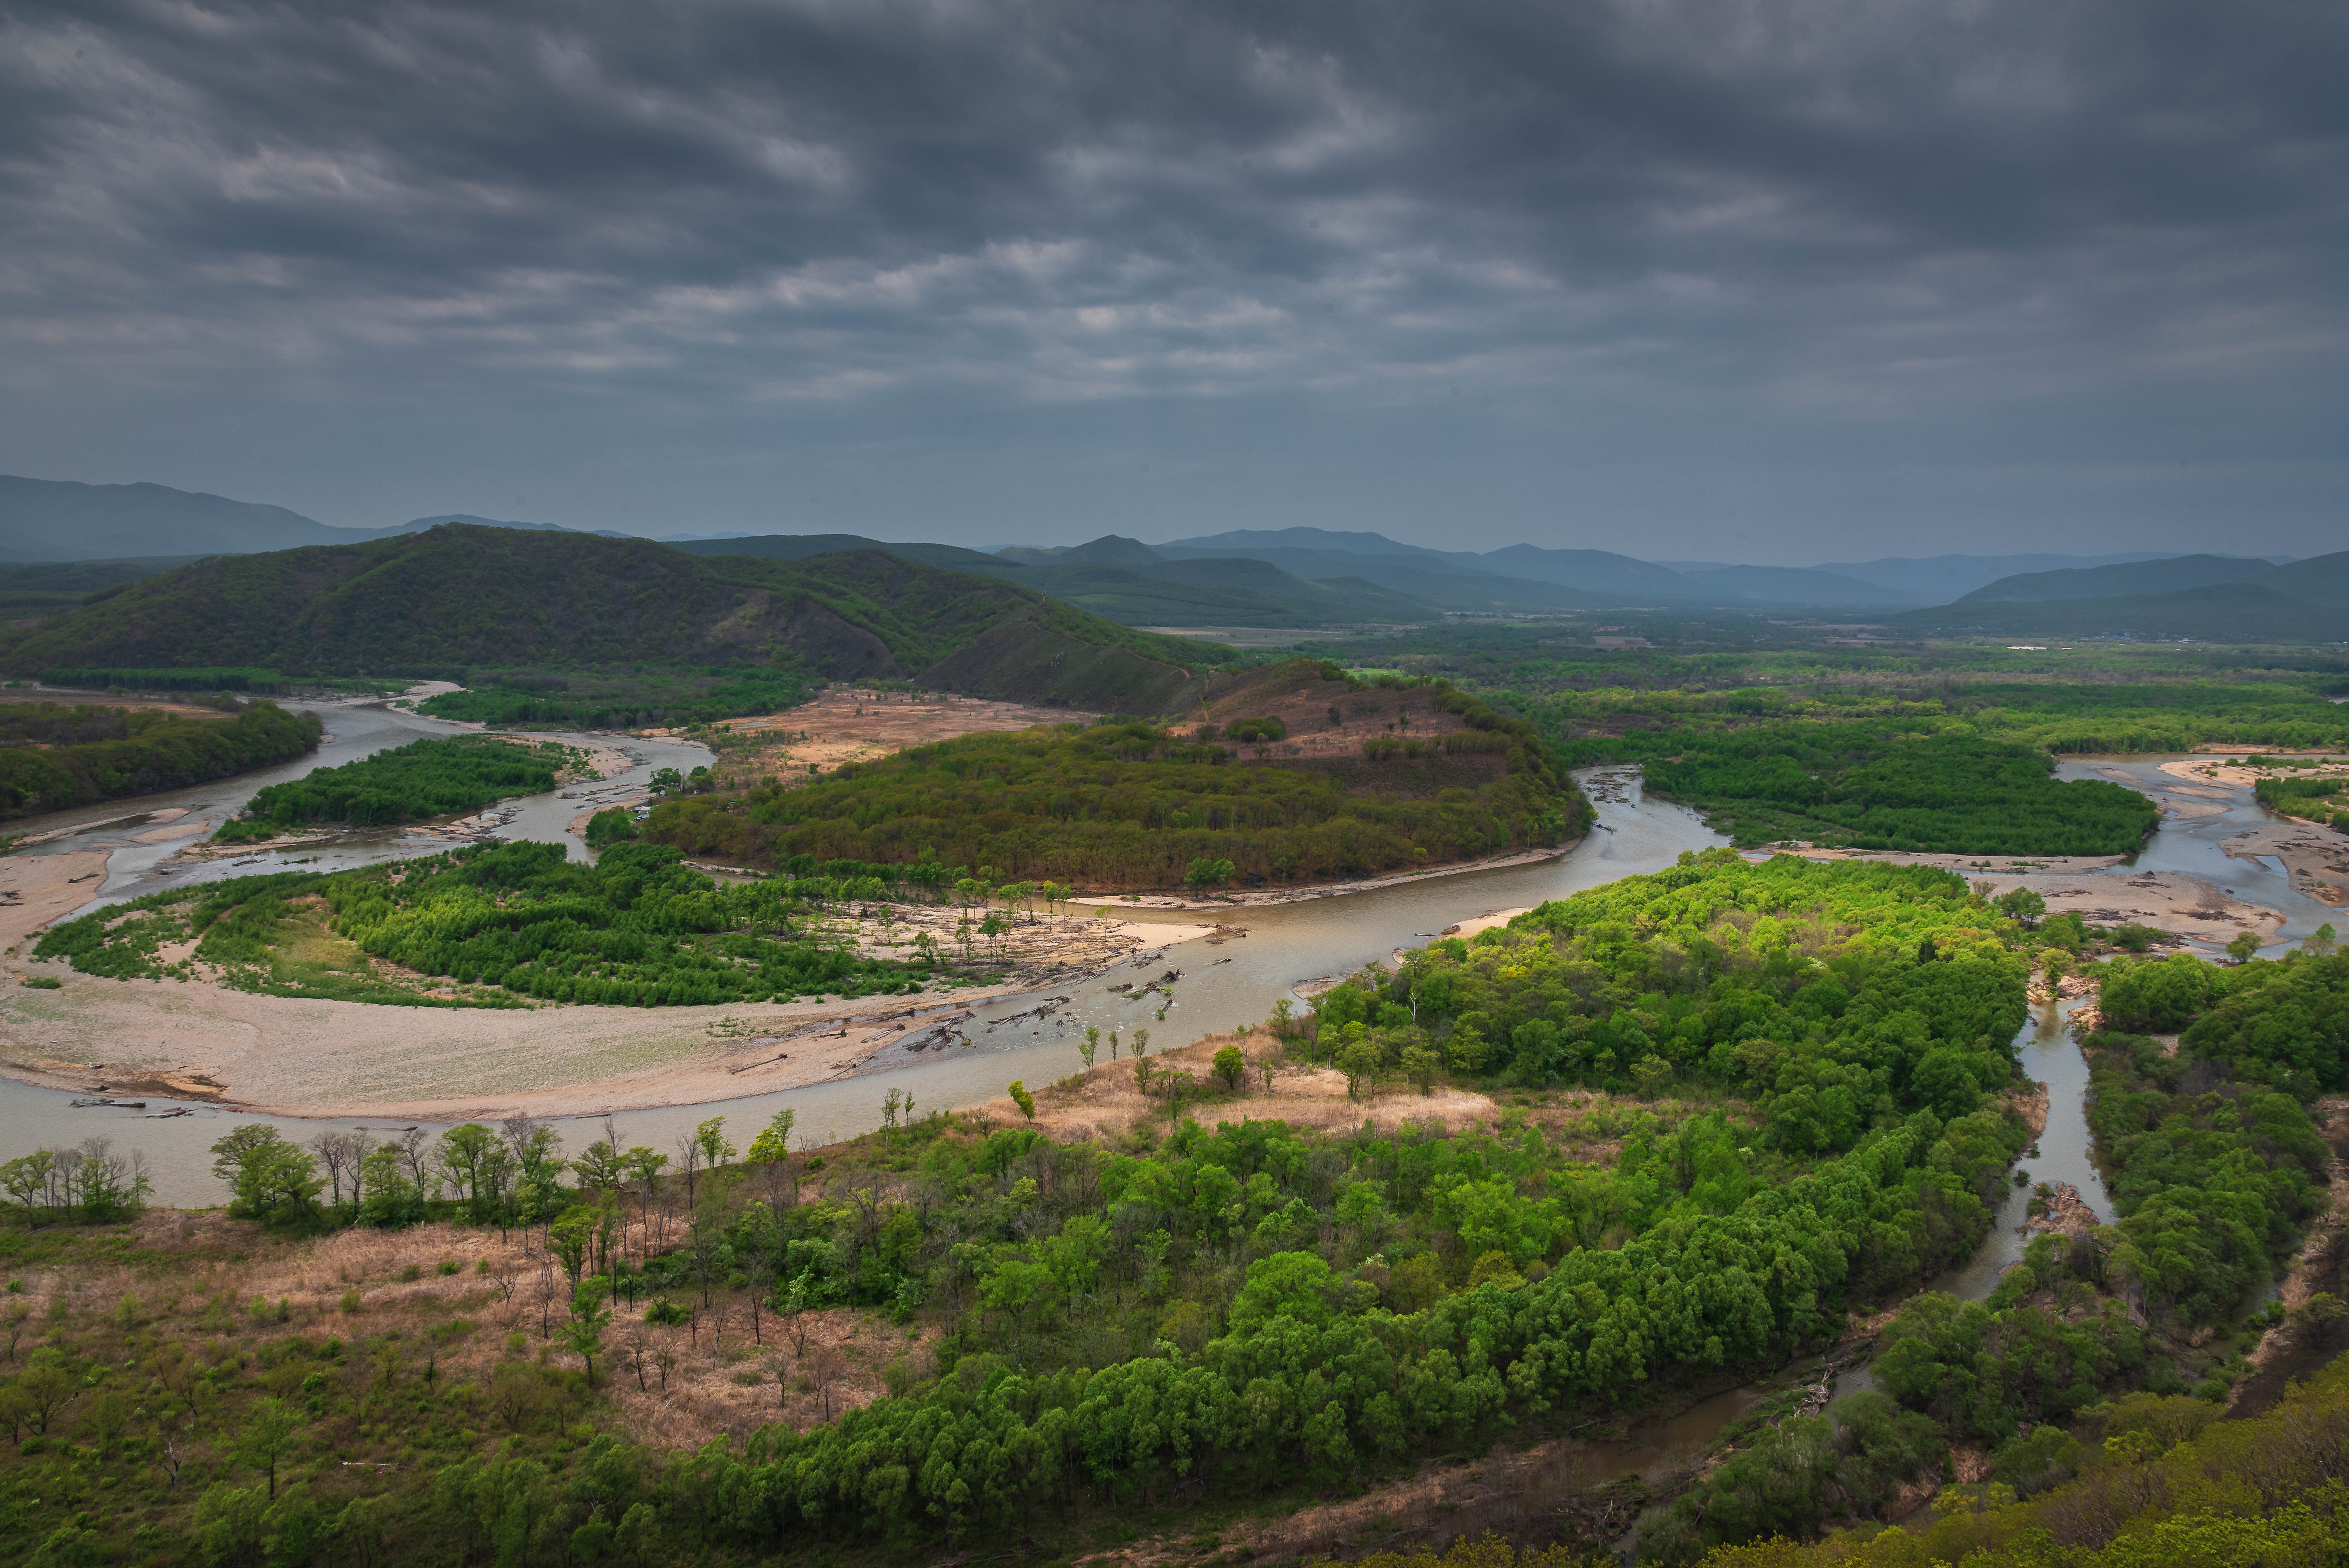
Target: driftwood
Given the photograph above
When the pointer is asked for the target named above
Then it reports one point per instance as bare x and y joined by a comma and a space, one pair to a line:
1043, 1011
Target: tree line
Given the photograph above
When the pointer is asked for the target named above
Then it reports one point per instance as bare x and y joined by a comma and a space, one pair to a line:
1119, 806
406, 783
510, 921
139, 751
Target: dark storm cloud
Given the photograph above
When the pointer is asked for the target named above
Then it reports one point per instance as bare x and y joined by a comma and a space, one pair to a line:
1853, 223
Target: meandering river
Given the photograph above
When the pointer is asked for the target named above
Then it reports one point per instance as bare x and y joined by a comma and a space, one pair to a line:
1238, 980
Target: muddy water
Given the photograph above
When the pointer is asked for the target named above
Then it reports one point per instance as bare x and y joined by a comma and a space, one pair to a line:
1237, 982
177, 1147
2193, 846
355, 729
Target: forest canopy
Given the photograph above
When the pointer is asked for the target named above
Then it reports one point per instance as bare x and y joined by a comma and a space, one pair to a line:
621, 698
95, 753
1885, 786
1129, 805
408, 783
636, 929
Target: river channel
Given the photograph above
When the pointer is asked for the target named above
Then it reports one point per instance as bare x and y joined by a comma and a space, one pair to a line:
1236, 981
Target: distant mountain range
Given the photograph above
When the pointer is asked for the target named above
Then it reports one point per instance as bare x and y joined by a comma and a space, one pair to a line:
2205, 598
1298, 577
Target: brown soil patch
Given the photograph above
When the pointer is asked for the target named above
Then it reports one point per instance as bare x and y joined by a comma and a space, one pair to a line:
848, 724
674, 1386
66, 698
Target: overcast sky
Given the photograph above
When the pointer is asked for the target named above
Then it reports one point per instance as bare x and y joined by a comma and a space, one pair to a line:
1770, 280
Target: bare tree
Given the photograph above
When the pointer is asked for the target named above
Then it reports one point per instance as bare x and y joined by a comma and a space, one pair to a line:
761, 1268
334, 1151
518, 1131
717, 1311
635, 1348
779, 1368
689, 1164
416, 1154
825, 1368
174, 1455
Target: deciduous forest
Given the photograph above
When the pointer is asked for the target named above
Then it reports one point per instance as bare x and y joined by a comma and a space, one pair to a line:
1122, 806
57, 757
408, 783
501, 924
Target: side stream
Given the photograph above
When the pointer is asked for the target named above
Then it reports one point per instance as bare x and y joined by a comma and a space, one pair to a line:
2049, 1055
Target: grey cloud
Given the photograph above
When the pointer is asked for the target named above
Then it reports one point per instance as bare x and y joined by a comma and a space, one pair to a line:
1544, 239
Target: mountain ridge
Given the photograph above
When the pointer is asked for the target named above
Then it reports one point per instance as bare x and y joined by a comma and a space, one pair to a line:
458, 595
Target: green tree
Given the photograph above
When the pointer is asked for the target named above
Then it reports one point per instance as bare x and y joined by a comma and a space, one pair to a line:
1091, 1044
2244, 947
1359, 1059
267, 1435
1231, 1066
1023, 1099
602, 1167
473, 1158
1208, 872
2023, 905
1422, 1066
274, 1180
590, 1316
774, 1139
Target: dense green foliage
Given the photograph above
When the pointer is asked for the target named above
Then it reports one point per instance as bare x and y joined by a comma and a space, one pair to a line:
105, 754
2212, 1179
33, 588
2283, 1022
617, 699
459, 597
1883, 786
2141, 1482
1255, 1306
406, 783
2287, 1022
1843, 995
1126, 805
636, 929
239, 678
2320, 800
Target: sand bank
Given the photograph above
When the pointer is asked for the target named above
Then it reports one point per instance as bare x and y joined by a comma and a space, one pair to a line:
37, 889
296, 1057
1335, 889
2316, 857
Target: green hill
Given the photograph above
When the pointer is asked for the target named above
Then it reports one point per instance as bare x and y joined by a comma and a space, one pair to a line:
800, 546
2127, 579
459, 596
1124, 581
2306, 602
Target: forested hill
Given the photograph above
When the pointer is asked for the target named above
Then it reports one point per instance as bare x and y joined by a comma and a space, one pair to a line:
459, 596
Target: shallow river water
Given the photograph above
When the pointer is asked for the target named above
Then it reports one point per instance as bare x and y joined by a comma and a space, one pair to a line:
1220, 987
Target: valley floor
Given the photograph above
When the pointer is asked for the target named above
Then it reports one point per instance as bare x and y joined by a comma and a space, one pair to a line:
299, 1056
